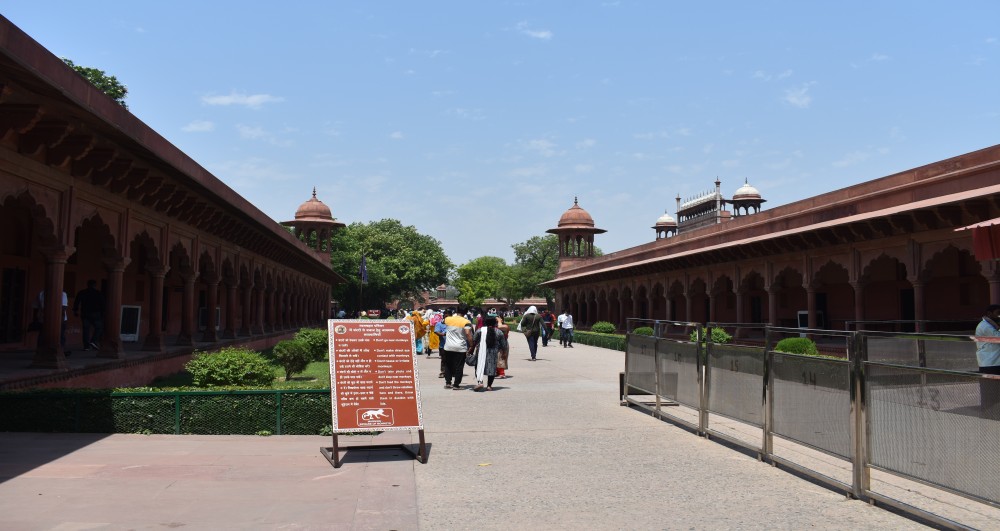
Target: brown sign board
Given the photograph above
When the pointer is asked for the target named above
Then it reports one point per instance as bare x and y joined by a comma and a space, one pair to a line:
373, 376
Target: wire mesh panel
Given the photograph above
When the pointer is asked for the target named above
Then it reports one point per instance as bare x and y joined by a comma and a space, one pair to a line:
679, 372
736, 382
812, 401
955, 353
941, 428
640, 364
226, 414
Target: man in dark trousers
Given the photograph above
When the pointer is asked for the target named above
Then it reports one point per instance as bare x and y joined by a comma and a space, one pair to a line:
90, 302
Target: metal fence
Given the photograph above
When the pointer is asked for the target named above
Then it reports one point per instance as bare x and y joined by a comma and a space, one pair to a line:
904, 404
288, 412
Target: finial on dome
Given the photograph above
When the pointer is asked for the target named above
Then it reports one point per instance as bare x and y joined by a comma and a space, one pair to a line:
574, 201
314, 192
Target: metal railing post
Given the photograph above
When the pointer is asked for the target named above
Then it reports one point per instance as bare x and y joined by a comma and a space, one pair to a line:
701, 362
861, 477
177, 413
277, 428
767, 402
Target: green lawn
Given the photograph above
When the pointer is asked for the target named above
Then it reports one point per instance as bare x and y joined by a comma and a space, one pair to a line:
316, 376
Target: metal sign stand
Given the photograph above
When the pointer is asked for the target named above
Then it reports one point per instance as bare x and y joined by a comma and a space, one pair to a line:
332, 453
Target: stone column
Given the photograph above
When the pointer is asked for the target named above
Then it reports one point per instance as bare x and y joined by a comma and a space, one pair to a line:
713, 300
859, 303
154, 338
772, 304
211, 301
269, 317
919, 313
258, 311
49, 351
186, 336
246, 318
111, 340
229, 331
811, 306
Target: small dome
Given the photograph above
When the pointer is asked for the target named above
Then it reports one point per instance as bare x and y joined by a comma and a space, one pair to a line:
666, 220
313, 210
746, 192
576, 217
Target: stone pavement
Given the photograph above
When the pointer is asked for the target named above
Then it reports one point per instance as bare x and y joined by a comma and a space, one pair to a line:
549, 448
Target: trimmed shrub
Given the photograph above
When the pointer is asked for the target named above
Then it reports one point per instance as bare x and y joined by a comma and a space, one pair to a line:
719, 335
230, 366
603, 327
293, 355
797, 345
317, 340
643, 331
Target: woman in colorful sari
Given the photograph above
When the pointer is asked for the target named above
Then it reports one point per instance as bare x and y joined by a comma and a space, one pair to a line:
502, 360
419, 330
489, 344
433, 341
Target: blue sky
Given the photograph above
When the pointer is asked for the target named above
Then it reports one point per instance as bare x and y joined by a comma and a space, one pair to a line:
478, 122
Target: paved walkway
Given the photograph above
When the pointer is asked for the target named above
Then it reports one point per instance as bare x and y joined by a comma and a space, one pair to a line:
550, 448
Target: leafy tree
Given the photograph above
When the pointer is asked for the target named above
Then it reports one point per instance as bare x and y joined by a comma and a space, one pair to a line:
536, 260
400, 262
481, 278
108, 84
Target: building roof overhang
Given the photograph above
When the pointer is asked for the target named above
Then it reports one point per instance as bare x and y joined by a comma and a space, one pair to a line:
97, 140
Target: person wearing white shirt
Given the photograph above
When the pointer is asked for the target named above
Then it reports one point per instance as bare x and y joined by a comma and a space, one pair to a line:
565, 322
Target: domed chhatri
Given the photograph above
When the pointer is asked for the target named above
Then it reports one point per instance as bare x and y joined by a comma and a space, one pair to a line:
314, 218
746, 200
313, 210
576, 232
665, 226
746, 191
576, 217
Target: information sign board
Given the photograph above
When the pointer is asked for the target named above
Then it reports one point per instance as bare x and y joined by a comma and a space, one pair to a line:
373, 376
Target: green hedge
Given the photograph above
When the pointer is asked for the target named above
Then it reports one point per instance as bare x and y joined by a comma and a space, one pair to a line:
611, 341
298, 412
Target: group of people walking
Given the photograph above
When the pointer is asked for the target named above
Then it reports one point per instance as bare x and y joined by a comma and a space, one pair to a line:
482, 341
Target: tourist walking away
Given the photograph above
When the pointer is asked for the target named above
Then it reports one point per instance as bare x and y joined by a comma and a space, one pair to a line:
431, 343
89, 307
566, 329
531, 326
488, 344
549, 320
419, 331
504, 358
441, 331
458, 337
39, 317
988, 358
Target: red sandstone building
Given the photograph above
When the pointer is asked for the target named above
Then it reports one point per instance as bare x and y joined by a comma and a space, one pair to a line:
891, 249
87, 191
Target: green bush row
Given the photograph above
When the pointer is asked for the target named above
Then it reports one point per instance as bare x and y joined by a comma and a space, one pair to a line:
203, 413
603, 327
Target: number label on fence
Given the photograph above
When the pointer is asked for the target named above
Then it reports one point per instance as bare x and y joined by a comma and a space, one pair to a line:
373, 376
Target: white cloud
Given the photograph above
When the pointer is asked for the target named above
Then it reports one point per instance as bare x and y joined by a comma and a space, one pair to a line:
852, 158
529, 171
991, 40
543, 147
879, 57
586, 143
253, 101
199, 126
583, 168
396, 135
764, 76
799, 96
251, 172
256, 132
467, 114
732, 163
251, 132
523, 29
427, 53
